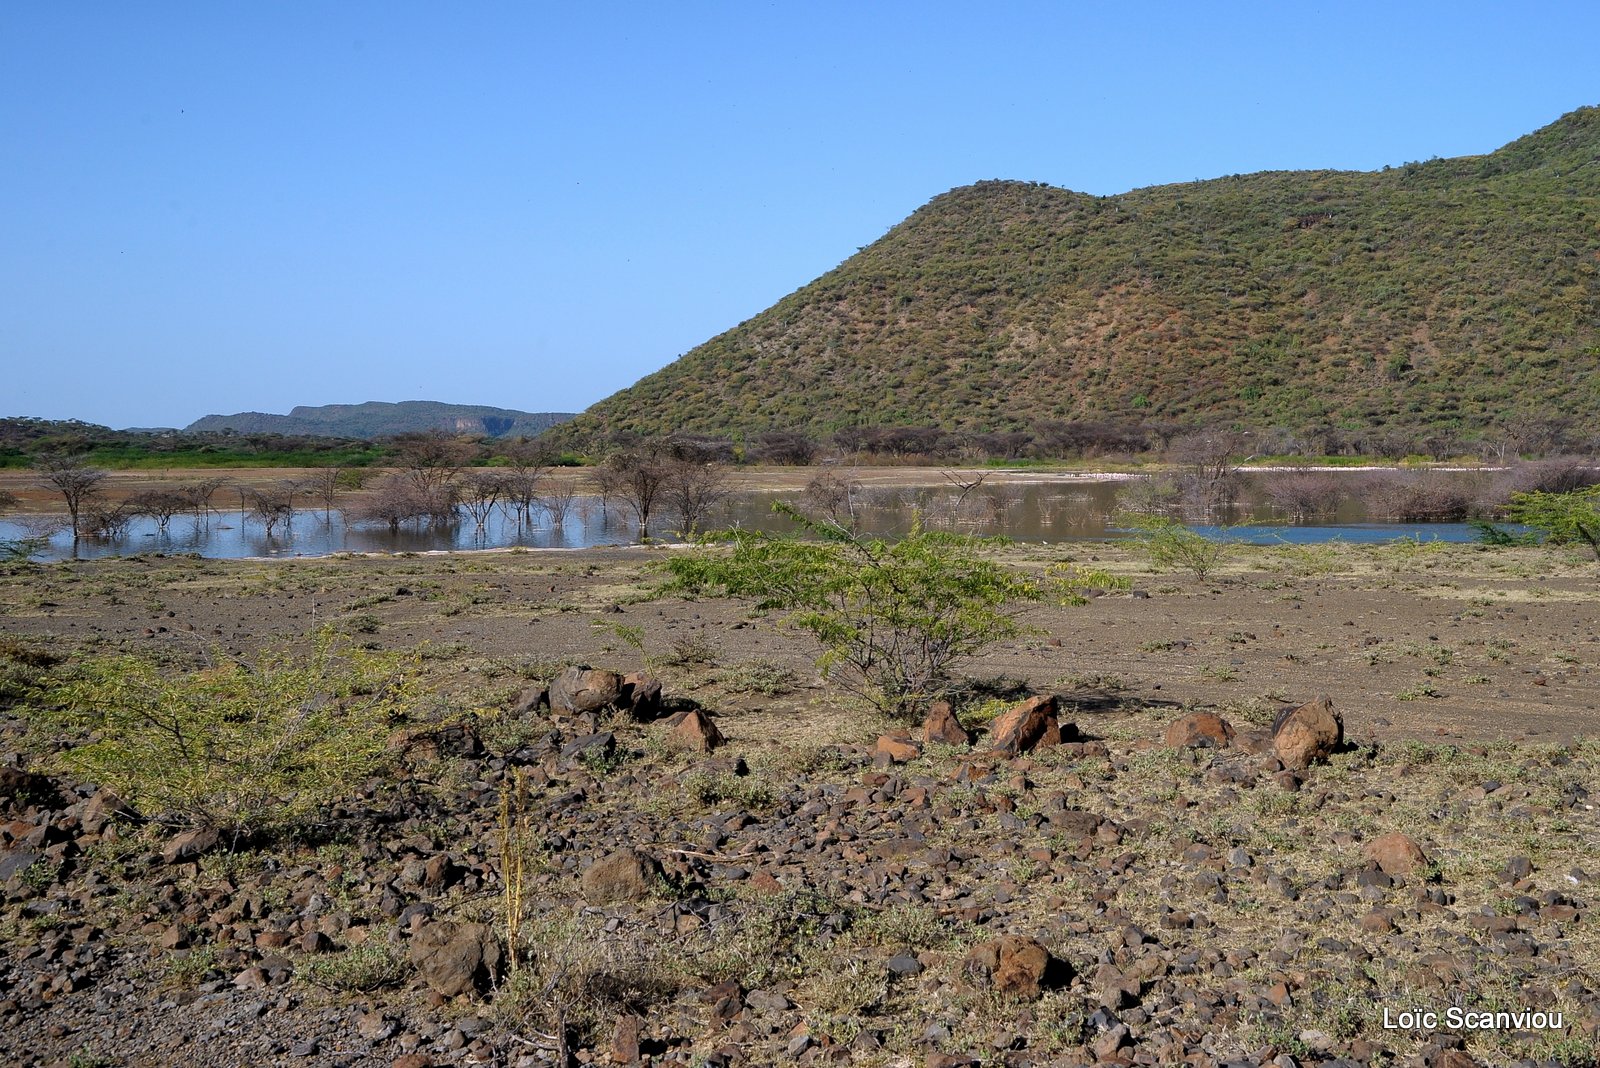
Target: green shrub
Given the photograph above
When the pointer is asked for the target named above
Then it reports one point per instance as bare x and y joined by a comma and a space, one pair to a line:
1563, 518
1171, 546
891, 617
366, 967
240, 747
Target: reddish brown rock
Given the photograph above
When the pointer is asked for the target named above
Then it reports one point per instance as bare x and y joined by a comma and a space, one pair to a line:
581, 689
1395, 854
624, 876
1307, 735
1028, 726
456, 958
412, 1060
625, 1039
640, 696
1016, 966
693, 730
895, 747
942, 726
190, 844
1199, 730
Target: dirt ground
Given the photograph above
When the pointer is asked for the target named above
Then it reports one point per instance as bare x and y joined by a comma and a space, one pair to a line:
800, 896
1411, 641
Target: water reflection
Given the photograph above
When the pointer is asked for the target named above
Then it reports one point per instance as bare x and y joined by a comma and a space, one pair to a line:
1043, 511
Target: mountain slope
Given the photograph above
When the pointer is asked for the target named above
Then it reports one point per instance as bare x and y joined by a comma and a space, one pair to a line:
1453, 293
377, 419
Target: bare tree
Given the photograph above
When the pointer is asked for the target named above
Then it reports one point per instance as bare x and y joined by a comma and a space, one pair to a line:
637, 477
78, 485
478, 492
693, 489
1302, 494
160, 505
1209, 474
325, 484
270, 506
432, 459
832, 498
200, 494
101, 519
521, 478
557, 499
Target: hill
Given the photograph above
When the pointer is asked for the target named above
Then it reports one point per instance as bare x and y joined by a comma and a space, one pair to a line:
1452, 295
378, 419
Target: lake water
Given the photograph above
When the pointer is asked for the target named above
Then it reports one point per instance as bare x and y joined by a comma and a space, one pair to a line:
1048, 510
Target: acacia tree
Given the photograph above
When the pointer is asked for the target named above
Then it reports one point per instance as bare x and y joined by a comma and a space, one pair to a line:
200, 494
325, 484
892, 617
520, 480
79, 486
693, 489
160, 505
479, 492
638, 478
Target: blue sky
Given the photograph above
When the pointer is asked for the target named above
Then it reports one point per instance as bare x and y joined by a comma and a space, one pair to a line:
222, 207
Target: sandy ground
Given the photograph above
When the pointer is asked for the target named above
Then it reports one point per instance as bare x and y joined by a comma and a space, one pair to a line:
1418, 641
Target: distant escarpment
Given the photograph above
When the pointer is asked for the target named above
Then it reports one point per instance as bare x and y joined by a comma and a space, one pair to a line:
380, 419
1457, 294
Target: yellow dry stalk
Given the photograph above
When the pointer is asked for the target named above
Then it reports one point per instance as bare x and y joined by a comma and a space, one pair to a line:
514, 826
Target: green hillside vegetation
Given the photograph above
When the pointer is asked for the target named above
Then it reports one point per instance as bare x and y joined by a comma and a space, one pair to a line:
380, 419
25, 442
1455, 297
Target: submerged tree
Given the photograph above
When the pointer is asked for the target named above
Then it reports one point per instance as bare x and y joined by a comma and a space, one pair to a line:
79, 486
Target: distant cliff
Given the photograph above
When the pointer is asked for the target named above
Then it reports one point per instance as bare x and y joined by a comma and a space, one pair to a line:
378, 419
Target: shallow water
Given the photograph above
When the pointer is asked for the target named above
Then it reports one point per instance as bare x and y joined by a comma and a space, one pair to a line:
1044, 511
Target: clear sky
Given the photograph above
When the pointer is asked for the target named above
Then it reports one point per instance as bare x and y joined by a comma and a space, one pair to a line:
215, 207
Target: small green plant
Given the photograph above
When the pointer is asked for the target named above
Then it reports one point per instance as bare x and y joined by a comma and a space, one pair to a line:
1171, 546
371, 966
765, 677
238, 747
709, 788
1413, 693
892, 617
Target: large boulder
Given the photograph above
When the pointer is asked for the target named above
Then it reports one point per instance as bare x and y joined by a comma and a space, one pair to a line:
1395, 854
896, 747
627, 875
1028, 726
942, 727
457, 958
1307, 735
1199, 730
694, 731
1016, 966
582, 689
